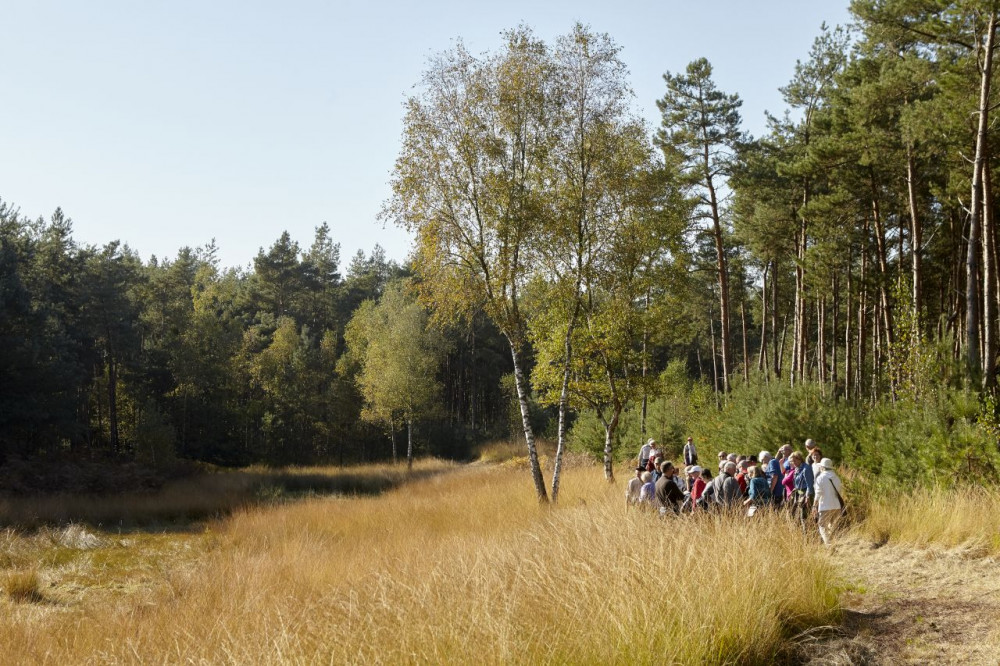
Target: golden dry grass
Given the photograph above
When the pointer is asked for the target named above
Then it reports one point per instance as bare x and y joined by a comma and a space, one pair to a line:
965, 517
21, 585
457, 568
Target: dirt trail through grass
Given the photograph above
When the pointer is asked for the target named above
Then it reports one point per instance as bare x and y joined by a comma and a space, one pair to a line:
913, 605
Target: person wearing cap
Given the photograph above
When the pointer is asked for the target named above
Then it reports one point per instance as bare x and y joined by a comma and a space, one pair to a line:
690, 453
644, 452
634, 487
829, 500
772, 471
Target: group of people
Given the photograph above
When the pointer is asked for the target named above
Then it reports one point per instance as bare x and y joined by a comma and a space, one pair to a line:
804, 485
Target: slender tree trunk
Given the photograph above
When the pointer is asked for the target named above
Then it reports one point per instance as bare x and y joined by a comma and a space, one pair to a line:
848, 317
876, 349
112, 398
972, 298
392, 438
784, 330
409, 445
715, 364
723, 275
521, 384
916, 240
564, 399
833, 332
610, 428
862, 313
883, 266
821, 343
762, 357
645, 369
774, 323
989, 284
746, 349
801, 328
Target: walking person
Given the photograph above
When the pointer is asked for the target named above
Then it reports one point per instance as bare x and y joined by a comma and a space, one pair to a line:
829, 500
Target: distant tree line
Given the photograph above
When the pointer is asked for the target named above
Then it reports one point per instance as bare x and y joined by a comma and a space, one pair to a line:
104, 354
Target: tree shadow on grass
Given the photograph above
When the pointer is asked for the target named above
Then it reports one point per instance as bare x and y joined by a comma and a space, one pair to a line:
182, 505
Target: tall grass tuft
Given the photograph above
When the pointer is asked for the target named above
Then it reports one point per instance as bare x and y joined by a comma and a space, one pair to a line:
965, 516
22, 586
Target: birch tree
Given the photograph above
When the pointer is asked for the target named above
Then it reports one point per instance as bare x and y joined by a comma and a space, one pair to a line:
469, 184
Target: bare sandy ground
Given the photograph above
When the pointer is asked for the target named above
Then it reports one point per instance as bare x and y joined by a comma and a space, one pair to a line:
911, 605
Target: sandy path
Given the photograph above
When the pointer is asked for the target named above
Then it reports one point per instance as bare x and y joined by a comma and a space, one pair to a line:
912, 605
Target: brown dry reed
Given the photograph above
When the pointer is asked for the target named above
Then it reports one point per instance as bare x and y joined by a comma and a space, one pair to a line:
462, 568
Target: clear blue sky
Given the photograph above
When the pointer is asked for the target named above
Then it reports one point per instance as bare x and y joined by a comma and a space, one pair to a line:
169, 123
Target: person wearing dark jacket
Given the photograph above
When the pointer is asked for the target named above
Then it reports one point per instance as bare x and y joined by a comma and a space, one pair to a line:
668, 496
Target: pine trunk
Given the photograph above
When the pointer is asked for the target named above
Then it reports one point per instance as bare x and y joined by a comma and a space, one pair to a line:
989, 284
776, 361
762, 357
833, 332
746, 349
723, 276
972, 296
916, 240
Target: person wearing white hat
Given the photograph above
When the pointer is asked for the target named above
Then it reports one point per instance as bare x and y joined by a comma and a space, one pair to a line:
829, 500
697, 485
644, 452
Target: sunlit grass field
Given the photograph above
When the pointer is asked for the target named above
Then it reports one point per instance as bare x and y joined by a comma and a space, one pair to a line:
460, 565
967, 517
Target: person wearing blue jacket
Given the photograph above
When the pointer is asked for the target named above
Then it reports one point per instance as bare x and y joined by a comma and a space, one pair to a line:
804, 489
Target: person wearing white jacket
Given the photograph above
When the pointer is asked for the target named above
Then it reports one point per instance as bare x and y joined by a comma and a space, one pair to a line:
829, 499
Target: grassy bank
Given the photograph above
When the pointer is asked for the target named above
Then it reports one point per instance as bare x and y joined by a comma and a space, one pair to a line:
462, 567
966, 517
205, 495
